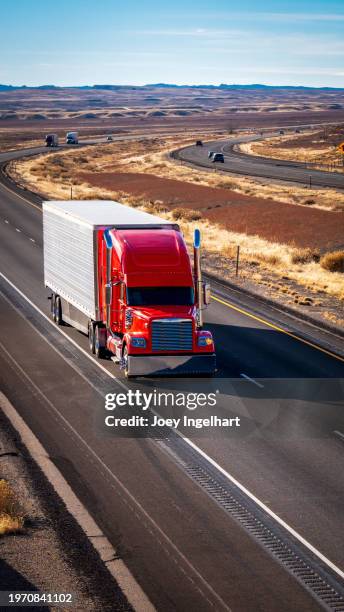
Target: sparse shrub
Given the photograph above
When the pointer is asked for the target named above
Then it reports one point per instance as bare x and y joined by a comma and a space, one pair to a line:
57, 160
178, 213
334, 262
225, 185
156, 207
309, 202
271, 260
187, 214
192, 215
303, 256
161, 208
11, 517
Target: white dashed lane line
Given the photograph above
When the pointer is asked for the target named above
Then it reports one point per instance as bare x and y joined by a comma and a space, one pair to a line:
252, 380
339, 435
20, 231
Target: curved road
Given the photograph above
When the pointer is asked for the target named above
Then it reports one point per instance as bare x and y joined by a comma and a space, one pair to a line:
183, 548
250, 165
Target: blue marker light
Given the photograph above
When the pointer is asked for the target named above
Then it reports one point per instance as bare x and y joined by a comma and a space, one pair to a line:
197, 239
108, 239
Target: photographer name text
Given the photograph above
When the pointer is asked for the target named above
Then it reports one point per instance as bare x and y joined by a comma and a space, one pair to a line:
186, 421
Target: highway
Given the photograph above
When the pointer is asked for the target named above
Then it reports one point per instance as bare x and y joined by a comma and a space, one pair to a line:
238, 162
180, 511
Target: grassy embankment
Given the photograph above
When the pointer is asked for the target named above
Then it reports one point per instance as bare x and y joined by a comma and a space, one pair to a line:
314, 147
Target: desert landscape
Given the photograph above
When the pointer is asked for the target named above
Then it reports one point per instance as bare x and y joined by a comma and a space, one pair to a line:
287, 235
290, 237
26, 114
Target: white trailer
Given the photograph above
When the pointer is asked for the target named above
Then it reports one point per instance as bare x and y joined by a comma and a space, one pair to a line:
70, 249
52, 140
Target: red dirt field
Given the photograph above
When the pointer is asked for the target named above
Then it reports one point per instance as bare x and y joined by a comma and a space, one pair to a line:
275, 221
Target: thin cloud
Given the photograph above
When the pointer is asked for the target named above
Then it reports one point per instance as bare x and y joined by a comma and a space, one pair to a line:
300, 16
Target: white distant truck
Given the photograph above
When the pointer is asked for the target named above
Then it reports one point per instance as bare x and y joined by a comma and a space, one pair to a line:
51, 140
72, 138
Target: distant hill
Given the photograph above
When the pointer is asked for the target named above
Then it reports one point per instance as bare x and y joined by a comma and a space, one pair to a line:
173, 85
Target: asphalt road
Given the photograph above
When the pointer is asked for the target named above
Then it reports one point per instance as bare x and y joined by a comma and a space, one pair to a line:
182, 547
250, 165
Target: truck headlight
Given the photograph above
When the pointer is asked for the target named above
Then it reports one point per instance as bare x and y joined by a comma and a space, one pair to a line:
204, 340
138, 342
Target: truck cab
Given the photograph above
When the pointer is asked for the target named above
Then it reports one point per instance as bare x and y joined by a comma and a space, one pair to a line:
152, 315
72, 138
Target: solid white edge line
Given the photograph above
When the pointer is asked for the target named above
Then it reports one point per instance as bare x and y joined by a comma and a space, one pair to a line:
252, 380
242, 488
339, 434
119, 382
117, 568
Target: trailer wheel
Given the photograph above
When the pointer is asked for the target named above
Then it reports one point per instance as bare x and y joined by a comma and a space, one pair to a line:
91, 338
58, 311
99, 350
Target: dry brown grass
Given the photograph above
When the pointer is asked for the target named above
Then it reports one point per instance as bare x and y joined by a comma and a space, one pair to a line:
11, 516
185, 214
56, 172
334, 262
302, 256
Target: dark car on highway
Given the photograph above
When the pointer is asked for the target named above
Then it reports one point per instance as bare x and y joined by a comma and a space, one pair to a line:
199, 143
218, 157
210, 154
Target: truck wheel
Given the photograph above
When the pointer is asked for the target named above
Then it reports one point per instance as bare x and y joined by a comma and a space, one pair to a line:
58, 311
91, 338
99, 350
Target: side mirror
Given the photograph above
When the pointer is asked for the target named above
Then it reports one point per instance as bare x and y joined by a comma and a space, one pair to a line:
206, 294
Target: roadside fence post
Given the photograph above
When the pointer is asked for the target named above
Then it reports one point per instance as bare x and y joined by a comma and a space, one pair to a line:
237, 261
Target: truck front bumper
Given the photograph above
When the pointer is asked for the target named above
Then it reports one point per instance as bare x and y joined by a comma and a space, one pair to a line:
172, 365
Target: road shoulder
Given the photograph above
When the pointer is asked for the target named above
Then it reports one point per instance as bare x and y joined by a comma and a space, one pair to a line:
52, 553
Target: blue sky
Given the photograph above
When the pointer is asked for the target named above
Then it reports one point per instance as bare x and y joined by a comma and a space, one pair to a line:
77, 42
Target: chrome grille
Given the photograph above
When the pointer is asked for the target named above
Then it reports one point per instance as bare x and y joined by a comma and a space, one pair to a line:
172, 335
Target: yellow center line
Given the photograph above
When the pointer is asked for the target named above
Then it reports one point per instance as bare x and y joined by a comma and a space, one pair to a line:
279, 329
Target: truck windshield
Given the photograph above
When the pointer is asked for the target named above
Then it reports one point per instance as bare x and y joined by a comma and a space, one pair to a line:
160, 296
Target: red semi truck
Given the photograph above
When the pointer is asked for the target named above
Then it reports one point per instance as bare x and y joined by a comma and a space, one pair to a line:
124, 277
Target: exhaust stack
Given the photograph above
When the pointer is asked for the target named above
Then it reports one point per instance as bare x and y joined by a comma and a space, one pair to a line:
108, 286
198, 276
